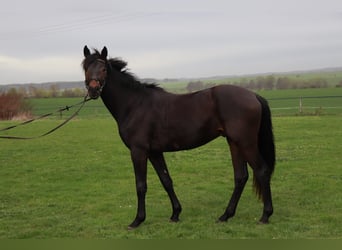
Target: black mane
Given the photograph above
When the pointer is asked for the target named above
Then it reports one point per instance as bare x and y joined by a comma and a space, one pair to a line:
128, 79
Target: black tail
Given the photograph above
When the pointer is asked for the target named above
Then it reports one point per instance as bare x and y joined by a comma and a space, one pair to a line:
266, 140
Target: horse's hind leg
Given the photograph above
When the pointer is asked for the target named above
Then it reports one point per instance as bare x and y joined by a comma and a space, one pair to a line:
158, 162
240, 179
262, 182
262, 179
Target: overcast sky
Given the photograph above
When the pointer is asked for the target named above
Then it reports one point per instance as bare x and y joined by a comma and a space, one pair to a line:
42, 40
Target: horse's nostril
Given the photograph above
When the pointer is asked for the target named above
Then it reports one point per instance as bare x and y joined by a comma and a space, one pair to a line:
93, 84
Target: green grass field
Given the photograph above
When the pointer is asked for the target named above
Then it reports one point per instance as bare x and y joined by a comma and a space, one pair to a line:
79, 183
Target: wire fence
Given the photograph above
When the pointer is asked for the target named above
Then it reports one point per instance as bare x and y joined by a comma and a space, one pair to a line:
288, 106
308, 105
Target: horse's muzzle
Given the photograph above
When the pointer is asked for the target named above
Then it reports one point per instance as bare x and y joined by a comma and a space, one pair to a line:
94, 89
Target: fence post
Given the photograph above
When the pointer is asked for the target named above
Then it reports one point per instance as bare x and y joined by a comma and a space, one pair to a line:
300, 105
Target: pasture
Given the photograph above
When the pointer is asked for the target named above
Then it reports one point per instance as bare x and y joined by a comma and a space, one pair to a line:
79, 183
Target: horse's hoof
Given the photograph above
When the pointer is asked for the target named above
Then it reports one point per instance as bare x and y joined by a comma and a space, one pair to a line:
130, 228
134, 224
263, 222
174, 220
223, 218
220, 221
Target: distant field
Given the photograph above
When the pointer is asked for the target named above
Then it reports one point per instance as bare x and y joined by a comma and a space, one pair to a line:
332, 78
46, 105
79, 183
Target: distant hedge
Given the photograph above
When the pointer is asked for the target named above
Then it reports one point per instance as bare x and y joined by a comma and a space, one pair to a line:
14, 106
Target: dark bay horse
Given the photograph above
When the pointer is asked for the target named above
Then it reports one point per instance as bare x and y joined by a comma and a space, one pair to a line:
152, 121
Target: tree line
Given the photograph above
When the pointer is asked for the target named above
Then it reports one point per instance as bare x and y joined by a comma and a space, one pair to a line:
33, 91
269, 82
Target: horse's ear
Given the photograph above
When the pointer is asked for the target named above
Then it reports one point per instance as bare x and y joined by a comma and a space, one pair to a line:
104, 53
86, 51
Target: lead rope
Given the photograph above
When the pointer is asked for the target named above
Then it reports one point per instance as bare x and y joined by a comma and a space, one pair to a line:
86, 99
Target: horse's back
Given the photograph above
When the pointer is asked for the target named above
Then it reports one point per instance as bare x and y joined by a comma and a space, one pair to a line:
233, 101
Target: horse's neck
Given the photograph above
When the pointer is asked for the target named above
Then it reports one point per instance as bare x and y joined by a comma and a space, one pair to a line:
119, 100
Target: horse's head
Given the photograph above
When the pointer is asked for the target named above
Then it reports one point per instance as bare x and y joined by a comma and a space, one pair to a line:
95, 69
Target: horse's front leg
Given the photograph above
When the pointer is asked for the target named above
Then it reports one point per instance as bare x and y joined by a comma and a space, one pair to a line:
139, 159
158, 162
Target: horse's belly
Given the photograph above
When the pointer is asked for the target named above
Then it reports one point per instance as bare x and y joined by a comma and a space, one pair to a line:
187, 141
